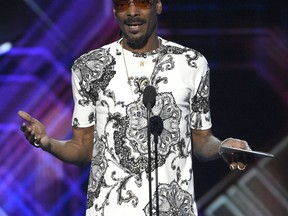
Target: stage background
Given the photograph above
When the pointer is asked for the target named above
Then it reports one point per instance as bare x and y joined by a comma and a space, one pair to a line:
246, 44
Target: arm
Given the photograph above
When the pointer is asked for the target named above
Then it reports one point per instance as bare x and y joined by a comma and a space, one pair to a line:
77, 151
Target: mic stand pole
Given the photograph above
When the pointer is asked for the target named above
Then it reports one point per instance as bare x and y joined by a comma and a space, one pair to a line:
156, 173
149, 157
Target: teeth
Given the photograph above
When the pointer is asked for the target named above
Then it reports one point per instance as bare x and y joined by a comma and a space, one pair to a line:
133, 26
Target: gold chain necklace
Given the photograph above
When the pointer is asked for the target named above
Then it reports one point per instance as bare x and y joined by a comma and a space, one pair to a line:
126, 69
128, 78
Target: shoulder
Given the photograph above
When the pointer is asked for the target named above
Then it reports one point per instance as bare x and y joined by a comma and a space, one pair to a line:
101, 54
190, 54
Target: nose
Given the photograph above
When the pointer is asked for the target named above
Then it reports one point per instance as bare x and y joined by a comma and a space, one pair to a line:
132, 9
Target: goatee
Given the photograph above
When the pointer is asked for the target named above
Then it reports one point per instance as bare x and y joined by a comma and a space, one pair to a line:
137, 43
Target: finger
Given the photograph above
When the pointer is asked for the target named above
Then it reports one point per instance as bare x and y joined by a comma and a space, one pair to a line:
244, 145
233, 163
241, 166
31, 137
233, 166
23, 127
240, 158
36, 142
240, 161
33, 140
27, 117
27, 131
236, 143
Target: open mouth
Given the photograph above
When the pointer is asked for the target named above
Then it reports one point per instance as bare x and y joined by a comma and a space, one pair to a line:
134, 26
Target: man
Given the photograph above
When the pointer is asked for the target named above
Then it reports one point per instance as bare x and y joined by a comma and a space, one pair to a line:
110, 120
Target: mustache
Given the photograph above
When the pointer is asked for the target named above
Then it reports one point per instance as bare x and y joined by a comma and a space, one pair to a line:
131, 20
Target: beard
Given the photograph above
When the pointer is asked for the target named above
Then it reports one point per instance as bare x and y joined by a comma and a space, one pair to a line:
137, 43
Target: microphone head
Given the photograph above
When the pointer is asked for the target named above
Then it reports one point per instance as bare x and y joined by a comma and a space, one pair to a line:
149, 96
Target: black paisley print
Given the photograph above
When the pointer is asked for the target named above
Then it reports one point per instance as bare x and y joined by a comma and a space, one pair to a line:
94, 71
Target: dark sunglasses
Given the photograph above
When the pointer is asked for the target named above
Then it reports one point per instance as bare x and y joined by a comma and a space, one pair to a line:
123, 5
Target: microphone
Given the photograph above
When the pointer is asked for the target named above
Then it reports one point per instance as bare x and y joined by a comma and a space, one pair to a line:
149, 96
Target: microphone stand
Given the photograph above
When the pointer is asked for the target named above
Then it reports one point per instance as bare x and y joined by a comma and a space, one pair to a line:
149, 156
149, 98
156, 173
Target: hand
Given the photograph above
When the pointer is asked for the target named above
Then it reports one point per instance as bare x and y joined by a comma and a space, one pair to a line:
35, 132
235, 160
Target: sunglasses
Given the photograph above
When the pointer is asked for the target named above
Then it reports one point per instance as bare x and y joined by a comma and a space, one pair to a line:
123, 5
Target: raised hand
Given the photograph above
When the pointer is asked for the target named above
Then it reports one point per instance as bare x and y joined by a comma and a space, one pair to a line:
34, 131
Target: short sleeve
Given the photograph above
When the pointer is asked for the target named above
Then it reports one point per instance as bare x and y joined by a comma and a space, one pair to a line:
200, 117
84, 111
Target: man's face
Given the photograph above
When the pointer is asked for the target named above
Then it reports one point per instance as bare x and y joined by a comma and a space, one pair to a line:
137, 22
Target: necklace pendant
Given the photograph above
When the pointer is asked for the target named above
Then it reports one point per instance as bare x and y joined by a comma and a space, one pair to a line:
142, 63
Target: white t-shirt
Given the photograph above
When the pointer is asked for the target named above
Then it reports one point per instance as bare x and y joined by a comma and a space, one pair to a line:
108, 84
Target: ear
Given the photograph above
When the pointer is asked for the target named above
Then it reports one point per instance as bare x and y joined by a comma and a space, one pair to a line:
159, 7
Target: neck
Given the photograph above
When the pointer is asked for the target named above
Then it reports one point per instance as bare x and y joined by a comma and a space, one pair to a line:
152, 44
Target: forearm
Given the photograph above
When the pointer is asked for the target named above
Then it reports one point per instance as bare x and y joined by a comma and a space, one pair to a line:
209, 150
69, 151
205, 145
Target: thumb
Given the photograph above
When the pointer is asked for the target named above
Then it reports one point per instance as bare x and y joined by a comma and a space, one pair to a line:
27, 117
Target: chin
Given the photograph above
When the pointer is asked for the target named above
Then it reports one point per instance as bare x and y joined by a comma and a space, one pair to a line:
137, 42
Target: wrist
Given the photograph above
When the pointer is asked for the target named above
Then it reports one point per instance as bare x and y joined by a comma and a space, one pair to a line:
46, 144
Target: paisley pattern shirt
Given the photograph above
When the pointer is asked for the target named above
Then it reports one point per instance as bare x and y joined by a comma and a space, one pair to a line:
108, 85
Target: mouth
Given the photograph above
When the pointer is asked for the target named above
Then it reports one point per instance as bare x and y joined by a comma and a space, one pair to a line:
134, 25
